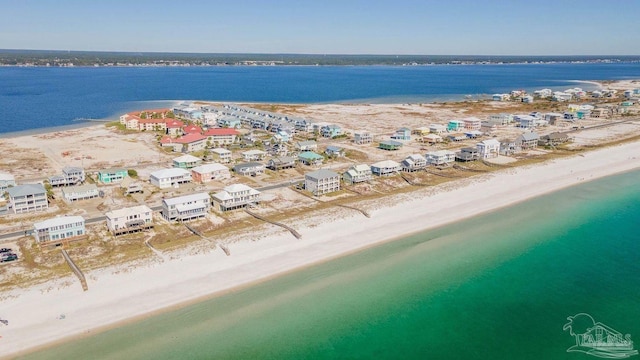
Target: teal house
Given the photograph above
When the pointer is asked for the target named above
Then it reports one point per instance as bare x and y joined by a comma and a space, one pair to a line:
110, 176
455, 125
390, 145
310, 158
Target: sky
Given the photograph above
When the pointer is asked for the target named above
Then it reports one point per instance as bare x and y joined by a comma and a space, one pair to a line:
387, 27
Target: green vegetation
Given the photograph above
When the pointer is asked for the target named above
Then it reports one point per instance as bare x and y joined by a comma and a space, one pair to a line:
132, 173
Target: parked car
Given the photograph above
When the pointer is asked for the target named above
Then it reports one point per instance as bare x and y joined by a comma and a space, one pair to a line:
8, 257
5, 250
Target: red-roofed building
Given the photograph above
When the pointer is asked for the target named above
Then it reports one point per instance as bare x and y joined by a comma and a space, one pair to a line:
152, 124
192, 129
186, 144
221, 136
174, 127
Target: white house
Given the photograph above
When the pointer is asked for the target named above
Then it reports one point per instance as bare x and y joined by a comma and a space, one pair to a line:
80, 192
488, 148
253, 155
309, 145
27, 198
131, 219
6, 180
385, 168
235, 196
322, 181
413, 163
221, 155
167, 178
440, 157
187, 207
59, 229
362, 137
357, 173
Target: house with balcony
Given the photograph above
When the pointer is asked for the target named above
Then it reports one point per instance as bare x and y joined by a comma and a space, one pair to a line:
27, 198
209, 172
527, 141
167, 178
221, 155
249, 169
385, 168
502, 119
437, 129
488, 148
129, 220
71, 175
222, 136
186, 162
253, 155
455, 125
331, 131
413, 163
322, 182
362, 137
334, 151
59, 230
390, 145
112, 175
472, 123
402, 134
431, 138
357, 173
187, 207
310, 158
235, 196
440, 157
309, 145
553, 139
467, 154
281, 162
174, 127
80, 192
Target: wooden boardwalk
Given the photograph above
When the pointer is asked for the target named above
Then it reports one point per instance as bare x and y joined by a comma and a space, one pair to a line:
76, 270
196, 232
260, 217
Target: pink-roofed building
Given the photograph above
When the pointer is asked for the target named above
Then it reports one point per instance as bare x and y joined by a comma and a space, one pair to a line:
174, 127
221, 136
186, 144
192, 129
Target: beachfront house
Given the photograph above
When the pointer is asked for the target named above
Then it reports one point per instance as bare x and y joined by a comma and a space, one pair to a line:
310, 158
235, 196
413, 163
6, 181
187, 207
440, 157
130, 186
488, 148
468, 154
527, 99
59, 230
527, 141
221, 155
402, 134
501, 97
385, 168
209, 172
249, 169
389, 145
253, 155
553, 139
322, 182
309, 145
129, 220
112, 175
71, 175
167, 178
281, 162
334, 151
27, 198
186, 162
357, 173
361, 137
80, 192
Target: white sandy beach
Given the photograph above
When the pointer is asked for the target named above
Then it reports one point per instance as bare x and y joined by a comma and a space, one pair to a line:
117, 296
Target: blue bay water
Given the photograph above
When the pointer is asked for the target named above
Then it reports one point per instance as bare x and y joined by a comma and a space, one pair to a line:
32, 98
497, 286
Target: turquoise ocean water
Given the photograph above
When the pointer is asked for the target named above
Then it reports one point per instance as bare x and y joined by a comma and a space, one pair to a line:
497, 286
